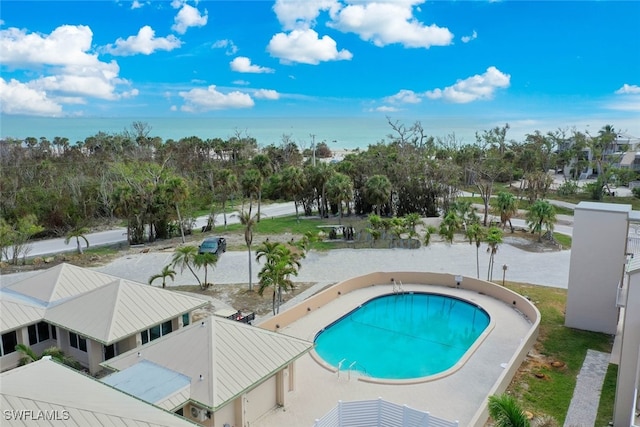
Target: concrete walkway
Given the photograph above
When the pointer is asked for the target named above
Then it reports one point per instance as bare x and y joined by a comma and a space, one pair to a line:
583, 409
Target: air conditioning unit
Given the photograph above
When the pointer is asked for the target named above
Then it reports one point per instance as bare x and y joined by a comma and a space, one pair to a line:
199, 414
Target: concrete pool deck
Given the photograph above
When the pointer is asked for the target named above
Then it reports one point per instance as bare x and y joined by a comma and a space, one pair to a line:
457, 396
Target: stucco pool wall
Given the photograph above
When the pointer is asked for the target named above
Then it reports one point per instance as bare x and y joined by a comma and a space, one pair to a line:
384, 280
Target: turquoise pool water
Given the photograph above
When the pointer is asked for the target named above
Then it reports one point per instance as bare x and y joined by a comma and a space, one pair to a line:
402, 336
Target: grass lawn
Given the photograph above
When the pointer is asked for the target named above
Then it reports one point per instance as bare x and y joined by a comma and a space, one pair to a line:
545, 387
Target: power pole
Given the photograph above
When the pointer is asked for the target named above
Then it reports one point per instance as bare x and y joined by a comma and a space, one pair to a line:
313, 147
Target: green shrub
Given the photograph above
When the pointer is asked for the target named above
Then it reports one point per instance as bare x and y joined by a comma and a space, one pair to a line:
568, 188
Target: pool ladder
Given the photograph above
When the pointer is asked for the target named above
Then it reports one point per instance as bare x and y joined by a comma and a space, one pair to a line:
397, 287
349, 369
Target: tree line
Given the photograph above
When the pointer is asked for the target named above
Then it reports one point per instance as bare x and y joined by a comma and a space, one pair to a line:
53, 188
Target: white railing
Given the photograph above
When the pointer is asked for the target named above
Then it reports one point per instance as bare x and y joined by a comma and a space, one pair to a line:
379, 413
397, 287
633, 244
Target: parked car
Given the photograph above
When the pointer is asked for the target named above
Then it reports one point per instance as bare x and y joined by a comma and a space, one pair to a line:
213, 245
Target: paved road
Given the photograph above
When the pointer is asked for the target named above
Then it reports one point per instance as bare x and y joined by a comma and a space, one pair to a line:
119, 235
547, 268
333, 266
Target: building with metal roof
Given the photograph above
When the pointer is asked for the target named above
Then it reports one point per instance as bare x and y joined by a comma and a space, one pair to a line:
236, 372
91, 316
50, 393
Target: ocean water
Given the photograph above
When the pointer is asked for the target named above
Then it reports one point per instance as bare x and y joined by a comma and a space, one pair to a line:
338, 132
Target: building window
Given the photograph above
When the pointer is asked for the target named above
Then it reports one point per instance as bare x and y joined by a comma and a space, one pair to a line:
166, 327
185, 319
8, 343
39, 332
76, 341
109, 351
156, 332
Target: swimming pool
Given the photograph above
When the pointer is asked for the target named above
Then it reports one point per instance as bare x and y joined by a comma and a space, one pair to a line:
402, 336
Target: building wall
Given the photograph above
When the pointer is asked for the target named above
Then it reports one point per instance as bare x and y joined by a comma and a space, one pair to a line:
11, 360
226, 415
597, 266
627, 385
260, 400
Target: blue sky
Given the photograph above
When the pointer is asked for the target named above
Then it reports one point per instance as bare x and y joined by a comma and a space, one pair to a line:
537, 65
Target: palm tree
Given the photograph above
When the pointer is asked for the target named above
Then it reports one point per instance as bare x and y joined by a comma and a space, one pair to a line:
28, 356
429, 230
541, 213
317, 177
507, 207
251, 183
339, 190
412, 220
505, 412
184, 256
476, 233
377, 190
279, 265
293, 183
77, 233
449, 225
493, 239
249, 222
263, 164
205, 260
466, 212
167, 271
227, 182
176, 191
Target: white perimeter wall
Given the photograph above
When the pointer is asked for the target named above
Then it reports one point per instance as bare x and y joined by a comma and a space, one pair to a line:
629, 353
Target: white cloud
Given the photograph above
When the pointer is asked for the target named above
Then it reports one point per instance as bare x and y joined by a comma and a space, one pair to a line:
199, 99
628, 89
386, 109
478, 87
242, 64
67, 44
230, 47
188, 16
19, 98
86, 85
404, 96
62, 67
630, 102
304, 46
266, 94
389, 22
145, 42
136, 4
240, 82
467, 39
295, 14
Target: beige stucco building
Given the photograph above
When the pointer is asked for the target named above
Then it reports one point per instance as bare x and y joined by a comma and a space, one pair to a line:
217, 372
90, 316
48, 393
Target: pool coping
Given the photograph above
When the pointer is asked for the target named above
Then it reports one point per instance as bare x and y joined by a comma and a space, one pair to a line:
510, 298
419, 380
